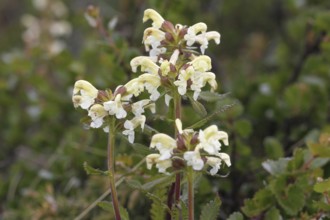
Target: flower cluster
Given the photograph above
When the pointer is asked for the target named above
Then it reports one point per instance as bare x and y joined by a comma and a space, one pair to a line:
195, 149
172, 62
104, 104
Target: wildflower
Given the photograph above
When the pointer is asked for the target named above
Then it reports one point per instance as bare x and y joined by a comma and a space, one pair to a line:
190, 37
130, 125
183, 78
209, 139
133, 87
164, 144
138, 107
200, 79
152, 37
162, 165
146, 63
84, 94
215, 162
97, 113
157, 19
115, 107
194, 159
201, 63
151, 83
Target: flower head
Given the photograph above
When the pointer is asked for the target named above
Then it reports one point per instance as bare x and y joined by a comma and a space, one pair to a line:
164, 144
97, 113
84, 94
209, 139
130, 125
162, 165
115, 107
157, 19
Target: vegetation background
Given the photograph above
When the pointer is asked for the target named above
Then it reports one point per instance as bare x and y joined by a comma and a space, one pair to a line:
274, 60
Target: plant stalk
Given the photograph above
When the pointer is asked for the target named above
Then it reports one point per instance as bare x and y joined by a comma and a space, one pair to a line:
111, 168
190, 177
177, 112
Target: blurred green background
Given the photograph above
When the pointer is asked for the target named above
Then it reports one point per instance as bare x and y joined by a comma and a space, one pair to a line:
274, 60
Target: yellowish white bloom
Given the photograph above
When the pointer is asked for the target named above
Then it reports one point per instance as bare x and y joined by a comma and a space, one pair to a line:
183, 78
215, 162
138, 107
115, 107
97, 113
162, 165
192, 31
133, 87
84, 94
164, 144
194, 159
157, 19
202, 63
130, 125
151, 83
209, 139
200, 79
146, 63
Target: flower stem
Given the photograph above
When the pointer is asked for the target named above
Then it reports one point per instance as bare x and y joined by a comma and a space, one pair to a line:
190, 177
111, 170
177, 114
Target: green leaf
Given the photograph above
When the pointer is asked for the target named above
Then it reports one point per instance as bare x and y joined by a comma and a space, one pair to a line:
92, 171
212, 96
209, 117
273, 148
321, 205
158, 206
323, 186
276, 167
261, 201
210, 211
273, 214
297, 160
236, 216
198, 107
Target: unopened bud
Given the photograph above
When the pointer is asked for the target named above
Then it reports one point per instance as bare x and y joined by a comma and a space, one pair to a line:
168, 27
194, 139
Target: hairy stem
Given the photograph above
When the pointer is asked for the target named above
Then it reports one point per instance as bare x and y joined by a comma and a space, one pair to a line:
190, 177
111, 169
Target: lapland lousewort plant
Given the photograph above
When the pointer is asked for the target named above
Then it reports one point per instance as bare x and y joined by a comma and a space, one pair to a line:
174, 70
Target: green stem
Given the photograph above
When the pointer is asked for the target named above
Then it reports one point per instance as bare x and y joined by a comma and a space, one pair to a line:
190, 177
111, 169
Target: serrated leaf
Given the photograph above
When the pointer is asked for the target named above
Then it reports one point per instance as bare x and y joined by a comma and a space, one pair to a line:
212, 96
209, 117
210, 211
297, 160
198, 107
123, 213
261, 201
236, 216
276, 167
158, 206
323, 186
92, 171
273, 214
320, 205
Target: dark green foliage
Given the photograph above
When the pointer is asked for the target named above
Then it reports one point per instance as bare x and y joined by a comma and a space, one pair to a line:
211, 210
